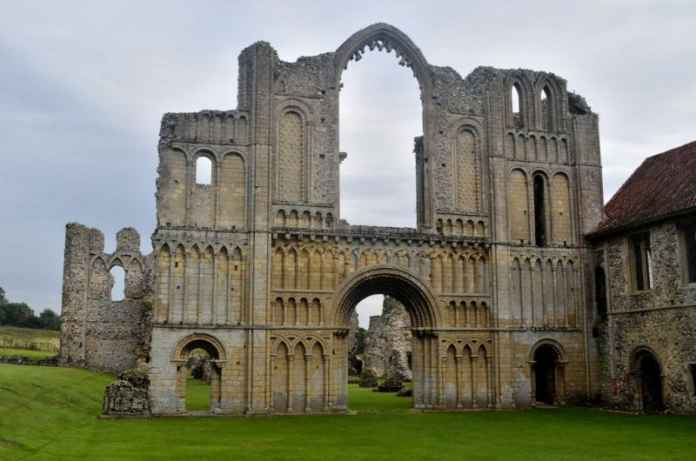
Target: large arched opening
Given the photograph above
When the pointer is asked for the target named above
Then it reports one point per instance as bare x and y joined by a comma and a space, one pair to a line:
199, 361
647, 376
381, 114
398, 286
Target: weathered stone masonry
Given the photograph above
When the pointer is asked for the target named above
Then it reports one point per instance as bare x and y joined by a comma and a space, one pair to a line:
259, 268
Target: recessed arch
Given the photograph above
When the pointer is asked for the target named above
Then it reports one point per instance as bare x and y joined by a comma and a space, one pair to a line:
547, 361
378, 148
646, 373
204, 168
209, 343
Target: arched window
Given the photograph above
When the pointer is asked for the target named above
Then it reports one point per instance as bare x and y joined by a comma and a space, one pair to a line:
546, 105
204, 171
515, 105
539, 210
118, 289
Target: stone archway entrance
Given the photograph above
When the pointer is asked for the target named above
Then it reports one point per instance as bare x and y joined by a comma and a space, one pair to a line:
548, 377
647, 375
184, 355
419, 303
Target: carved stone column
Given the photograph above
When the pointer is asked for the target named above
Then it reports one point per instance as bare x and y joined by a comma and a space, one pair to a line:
291, 388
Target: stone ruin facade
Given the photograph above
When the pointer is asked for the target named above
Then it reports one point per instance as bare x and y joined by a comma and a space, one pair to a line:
258, 268
388, 341
98, 332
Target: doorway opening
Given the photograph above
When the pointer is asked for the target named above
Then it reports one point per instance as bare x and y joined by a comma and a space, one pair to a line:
198, 380
199, 360
380, 115
648, 374
380, 375
548, 377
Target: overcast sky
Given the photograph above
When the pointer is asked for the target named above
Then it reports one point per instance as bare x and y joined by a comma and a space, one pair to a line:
83, 86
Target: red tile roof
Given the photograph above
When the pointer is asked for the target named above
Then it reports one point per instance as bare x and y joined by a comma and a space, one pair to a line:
663, 185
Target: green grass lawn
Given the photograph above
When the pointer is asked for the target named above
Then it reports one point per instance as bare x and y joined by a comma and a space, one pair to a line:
50, 414
197, 395
28, 353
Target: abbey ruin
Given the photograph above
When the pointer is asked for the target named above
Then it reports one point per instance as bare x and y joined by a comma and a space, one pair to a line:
259, 269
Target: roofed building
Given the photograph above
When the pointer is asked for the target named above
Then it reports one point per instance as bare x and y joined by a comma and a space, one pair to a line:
645, 287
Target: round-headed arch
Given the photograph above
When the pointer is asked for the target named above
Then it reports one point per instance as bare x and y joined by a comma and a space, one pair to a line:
208, 343
392, 281
551, 344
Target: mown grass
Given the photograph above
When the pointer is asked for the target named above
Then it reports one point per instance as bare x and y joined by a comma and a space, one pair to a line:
197, 395
30, 339
51, 414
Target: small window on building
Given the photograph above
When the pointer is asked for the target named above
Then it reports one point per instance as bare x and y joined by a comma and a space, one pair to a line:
641, 261
692, 370
515, 102
204, 171
690, 252
118, 289
546, 109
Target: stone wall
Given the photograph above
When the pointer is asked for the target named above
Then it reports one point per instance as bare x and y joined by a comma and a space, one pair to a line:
661, 320
388, 340
98, 332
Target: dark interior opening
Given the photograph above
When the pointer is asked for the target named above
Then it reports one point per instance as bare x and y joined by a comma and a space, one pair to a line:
545, 361
651, 383
539, 211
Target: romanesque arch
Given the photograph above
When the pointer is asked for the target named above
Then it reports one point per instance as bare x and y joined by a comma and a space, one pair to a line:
547, 361
421, 306
181, 356
647, 380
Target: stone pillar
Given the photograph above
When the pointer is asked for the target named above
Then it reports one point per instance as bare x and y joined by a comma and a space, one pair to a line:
215, 384
474, 390
291, 383
81, 243
327, 373
458, 359
307, 363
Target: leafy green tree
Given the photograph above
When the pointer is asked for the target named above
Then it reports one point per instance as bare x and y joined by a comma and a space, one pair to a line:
3, 299
18, 314
49, 320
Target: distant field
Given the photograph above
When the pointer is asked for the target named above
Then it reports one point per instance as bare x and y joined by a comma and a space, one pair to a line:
50, 414
30, 338
28, 353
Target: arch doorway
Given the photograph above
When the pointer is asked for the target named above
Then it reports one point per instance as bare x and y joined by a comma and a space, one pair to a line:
419, 304
199, 360
647, 375
547, 374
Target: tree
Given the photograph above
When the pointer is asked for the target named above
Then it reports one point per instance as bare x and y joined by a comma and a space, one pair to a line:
49, 320
18, 314
3, 300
